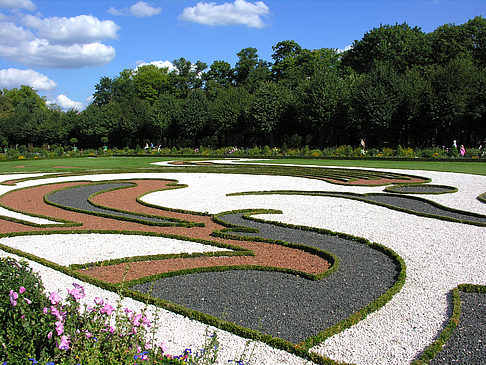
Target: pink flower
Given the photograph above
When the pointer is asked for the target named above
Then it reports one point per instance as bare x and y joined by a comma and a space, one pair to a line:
76, 294
98, 301
13, 297
45, 310
28, 301
54, 298
136, 320
127, 311
21, 290
88, 334
108, 309
64, 344
80, 288
55, 312
163, 347
59, 328
49, 335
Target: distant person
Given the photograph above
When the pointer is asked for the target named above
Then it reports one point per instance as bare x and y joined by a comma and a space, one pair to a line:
454, 144
462, 151
362, 143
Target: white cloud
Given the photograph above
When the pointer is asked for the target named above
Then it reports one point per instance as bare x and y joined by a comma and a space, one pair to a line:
347, 48
58, 42
78, 29
65, 103
240, 12
140, 9
159, 64
13, 77
17, 4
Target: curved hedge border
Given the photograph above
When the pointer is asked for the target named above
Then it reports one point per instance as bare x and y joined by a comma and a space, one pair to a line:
359, 197
396, 189
482, 198
431, 351
176, 222
61, 222
300, 349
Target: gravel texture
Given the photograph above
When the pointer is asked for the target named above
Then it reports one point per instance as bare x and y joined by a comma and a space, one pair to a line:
467, 344
77, 198
66, 249
285, 305
421, 189
439, 255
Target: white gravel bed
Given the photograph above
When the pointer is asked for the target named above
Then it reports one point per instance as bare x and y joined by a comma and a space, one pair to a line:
67, 249
439, 255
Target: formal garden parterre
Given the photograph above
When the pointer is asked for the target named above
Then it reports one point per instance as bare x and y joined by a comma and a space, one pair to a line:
304, 263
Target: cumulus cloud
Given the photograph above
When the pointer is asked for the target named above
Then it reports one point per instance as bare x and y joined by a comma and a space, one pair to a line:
159, 64
58, 42
78, 29
65, 103
240, 12
13, 77
140, 9
17, 4
347, 48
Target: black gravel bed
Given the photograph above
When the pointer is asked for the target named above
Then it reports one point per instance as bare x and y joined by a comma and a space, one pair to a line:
423, 207
77, 198
411, 204
421, 189
467, 345
280, 304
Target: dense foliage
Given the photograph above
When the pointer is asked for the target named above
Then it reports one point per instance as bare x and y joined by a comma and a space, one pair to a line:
47, 329
396, 86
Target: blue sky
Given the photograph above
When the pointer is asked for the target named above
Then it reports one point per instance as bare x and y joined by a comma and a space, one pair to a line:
63, 47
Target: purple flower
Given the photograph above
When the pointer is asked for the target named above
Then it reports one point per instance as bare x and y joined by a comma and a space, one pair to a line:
13, 297
98, 301
54, 298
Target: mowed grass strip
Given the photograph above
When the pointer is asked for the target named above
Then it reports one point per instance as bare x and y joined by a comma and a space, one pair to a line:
467, 167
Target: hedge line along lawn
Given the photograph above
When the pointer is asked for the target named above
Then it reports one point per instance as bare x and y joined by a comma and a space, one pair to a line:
467, 167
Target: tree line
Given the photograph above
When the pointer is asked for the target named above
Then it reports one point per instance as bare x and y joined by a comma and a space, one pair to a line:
396, 86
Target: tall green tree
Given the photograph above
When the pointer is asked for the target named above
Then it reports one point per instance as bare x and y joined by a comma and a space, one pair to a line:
250, 70
269, 104
150, 81
399, 45
163, 116
374, 100
319, 100
227, 115
194, 116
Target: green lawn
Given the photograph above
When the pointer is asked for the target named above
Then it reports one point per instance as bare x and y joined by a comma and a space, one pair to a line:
81, 164
84, 164
478, 168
